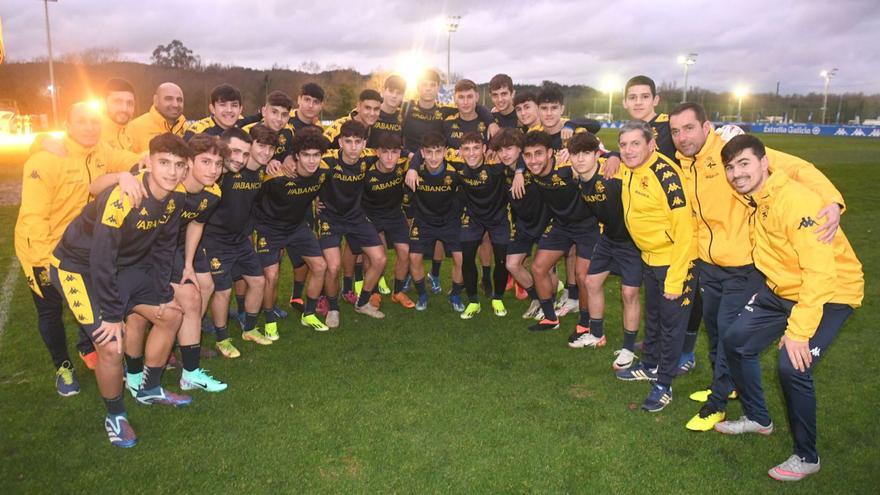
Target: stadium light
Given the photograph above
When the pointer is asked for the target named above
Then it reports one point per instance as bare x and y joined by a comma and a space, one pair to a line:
451, 27
686, 60
740, 92
827, 75
609, 85
410, 67
52, 85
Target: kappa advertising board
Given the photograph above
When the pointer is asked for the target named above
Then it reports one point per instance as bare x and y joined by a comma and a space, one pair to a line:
865, 131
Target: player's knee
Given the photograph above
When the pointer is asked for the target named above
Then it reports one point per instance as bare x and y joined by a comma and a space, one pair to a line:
189, 298
630, 295
256, 283
787, 372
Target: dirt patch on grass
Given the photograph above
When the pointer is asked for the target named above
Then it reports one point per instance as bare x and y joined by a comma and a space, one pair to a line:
345, 466
580, 391
10, 192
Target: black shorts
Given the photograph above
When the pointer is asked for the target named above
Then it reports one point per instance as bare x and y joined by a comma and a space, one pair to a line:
423, 237
359, 232
621, 258
136, 285
393, 225
200, 262
299, 241
230, 262
560, 237
472, 229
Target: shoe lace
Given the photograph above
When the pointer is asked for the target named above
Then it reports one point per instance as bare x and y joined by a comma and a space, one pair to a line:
65, 371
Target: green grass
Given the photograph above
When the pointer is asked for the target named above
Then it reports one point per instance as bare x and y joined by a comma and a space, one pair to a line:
425, 402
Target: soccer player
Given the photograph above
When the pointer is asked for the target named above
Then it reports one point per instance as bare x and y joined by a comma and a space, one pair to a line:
812, 288
367, 113
551, 107
728, 277
529, 216
225, 108
466, 119
275, 115
226, 237
309, 104
503, 96
390, 121
114, 260
436, 218
525, 103
660, 223
54, 191
166, 115
572, 225
280, 221
382, 203
343, 216
119, 105
615, 251
190, 274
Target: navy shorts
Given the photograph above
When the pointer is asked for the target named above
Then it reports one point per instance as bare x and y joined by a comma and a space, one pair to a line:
136, 285
359, 232
200, 262
621, 258
472, 229
423, 237
230, 262
521, 241
560, 237
299, 242
394, 225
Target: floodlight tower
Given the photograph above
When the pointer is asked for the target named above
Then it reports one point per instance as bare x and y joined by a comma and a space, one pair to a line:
451, 27
740, 93
827, 75
686, 60
53, 88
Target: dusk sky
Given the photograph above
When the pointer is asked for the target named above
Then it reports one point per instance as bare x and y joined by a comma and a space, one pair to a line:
755, 43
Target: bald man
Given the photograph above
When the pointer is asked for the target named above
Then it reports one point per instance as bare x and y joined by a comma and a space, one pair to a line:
55, 187
166, 115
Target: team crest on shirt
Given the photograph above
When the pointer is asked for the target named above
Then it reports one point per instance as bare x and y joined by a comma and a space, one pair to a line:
261, 242
438, 114
447, 180
282, 139
325, 227
484, 176
169, 208
215, 264
644, 183
203, 204
711, 163
465, 220
600, 187
414, 232
765, 210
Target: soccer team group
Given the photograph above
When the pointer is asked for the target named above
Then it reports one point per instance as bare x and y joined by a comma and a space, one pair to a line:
139, 225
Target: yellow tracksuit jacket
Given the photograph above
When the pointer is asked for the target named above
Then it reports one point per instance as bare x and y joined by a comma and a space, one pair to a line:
149, 125
722, 220
114, 135
797, 265
658, 218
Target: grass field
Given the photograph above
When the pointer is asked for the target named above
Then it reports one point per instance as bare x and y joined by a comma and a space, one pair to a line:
425, 402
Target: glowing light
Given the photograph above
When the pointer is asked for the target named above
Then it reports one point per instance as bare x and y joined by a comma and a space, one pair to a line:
410, 67
95, 105
741, 92
21, 142
609, 84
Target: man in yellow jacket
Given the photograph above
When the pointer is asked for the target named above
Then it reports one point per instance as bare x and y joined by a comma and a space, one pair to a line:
54, 191
660, 222
166, 115
728, 277
118, 111
812, 288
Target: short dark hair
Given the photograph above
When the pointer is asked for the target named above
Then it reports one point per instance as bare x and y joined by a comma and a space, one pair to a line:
524, 96
430, 75
310, 129
583, 142
640, 81
352, 128
389, 141
170, 143
117, 85
206, 143
308, 141
470, 137
500, 81
279, 99
698, 110
538, 138
370, 94
261, 133
507, 136
433, 139
312, 89
237, 133
225, 92
740, 143
395, 82
465, 85
637, 125
551, 94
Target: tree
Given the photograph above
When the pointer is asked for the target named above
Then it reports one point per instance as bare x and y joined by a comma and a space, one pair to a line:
175, 55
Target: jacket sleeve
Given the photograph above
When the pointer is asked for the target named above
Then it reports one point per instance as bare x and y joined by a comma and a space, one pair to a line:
162, 254
806, 174
816, 264
114, 207
121, 160
34, 218
682, 234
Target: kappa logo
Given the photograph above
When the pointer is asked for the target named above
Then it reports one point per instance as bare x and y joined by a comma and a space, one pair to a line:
686, 301
711, 163
672, 188
69, 278
807, 222
815, 351
373, 179
677, 201
117, 204
667, 175
144, 212
73, 291
765, 210
35, 175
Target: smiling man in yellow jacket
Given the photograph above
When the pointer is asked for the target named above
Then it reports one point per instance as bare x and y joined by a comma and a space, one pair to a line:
166, 115
728, 277
54, 191
660, 222
812, 288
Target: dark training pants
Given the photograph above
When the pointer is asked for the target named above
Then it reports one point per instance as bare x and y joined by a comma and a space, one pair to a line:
469, 269
666, 321
758, 327
50, 321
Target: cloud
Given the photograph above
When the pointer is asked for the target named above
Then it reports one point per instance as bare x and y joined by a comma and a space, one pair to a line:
753, 42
